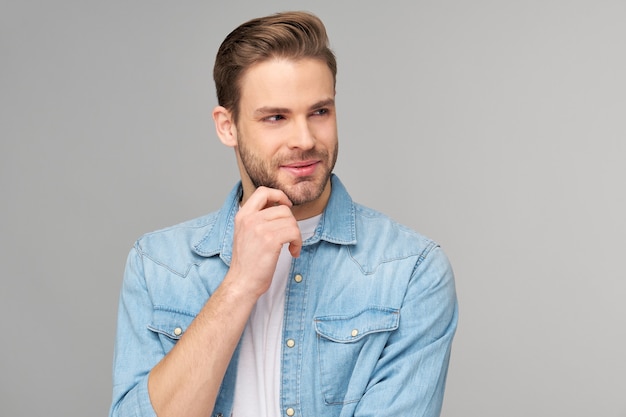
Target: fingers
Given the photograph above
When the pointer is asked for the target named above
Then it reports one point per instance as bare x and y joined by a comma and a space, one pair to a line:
262, 226
295, 247
264, 197
268, 210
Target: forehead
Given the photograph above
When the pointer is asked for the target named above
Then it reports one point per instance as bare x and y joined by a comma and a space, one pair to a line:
286, 83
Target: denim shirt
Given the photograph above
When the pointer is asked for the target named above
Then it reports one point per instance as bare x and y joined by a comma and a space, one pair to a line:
370, 313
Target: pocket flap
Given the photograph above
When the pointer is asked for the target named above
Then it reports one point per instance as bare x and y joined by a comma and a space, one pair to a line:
346, 329
170, 323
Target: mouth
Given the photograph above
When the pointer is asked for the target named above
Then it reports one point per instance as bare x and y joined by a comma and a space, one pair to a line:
301, 168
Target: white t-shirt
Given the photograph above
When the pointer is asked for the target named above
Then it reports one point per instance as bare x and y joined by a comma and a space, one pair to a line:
257, 391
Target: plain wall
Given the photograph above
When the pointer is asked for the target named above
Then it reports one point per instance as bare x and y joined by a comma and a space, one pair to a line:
496, 128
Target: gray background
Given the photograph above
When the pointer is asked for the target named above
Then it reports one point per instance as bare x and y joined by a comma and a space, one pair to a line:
496, 128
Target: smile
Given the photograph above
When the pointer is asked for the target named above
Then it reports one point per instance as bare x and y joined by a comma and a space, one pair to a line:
301, 168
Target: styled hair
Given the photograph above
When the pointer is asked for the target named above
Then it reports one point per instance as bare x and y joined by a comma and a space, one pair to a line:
291, 35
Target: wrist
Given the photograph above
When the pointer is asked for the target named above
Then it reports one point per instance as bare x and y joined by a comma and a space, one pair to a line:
237, 288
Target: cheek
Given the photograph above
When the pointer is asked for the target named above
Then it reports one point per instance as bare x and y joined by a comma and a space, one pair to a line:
326, 133
329, 139
262, 144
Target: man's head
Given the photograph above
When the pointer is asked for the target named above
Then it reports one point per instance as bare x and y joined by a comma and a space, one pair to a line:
291, 35
277, 107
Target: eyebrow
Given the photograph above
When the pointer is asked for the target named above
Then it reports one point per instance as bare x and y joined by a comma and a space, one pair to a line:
283, 110
329, 102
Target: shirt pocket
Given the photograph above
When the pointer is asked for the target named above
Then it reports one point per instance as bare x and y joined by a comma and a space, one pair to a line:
348, 349
169, 325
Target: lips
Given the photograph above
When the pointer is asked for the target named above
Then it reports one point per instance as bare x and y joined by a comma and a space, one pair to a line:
301, 168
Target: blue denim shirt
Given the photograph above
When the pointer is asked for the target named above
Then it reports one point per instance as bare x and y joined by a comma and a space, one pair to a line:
373, 316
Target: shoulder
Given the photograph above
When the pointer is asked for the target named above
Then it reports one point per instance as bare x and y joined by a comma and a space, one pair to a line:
173, 246
381, 239
373, 225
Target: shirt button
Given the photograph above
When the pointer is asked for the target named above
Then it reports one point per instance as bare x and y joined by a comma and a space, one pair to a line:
290, 412
291, 343
298, 278
178, 331
354, 333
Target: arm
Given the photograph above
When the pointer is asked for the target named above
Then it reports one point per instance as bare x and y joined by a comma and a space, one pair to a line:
185, 382
409, 379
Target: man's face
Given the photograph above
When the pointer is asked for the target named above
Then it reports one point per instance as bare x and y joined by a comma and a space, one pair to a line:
287, 128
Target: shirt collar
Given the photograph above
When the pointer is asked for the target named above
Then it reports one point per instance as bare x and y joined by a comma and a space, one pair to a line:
337, 224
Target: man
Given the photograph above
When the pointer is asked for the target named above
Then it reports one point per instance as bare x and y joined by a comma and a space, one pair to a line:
291, 300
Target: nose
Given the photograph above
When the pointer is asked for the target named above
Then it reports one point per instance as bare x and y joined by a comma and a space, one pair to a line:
301, 137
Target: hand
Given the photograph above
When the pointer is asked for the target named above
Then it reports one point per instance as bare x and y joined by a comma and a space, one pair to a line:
262, 226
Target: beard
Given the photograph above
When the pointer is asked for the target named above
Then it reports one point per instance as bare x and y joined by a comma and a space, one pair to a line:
305, 189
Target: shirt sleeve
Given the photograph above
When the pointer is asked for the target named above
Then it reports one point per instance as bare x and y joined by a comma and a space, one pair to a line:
409, 378
137, 349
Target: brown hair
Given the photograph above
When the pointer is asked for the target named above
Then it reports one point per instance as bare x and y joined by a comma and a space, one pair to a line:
292, 35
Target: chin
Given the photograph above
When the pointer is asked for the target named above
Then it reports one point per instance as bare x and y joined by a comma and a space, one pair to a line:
304, 192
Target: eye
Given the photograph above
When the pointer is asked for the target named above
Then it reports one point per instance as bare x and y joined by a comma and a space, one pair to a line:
274, 118
321, 112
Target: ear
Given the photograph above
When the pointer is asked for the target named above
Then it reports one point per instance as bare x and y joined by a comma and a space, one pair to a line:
224, 126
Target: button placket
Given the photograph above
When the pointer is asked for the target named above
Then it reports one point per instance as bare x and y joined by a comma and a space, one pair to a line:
293, 330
